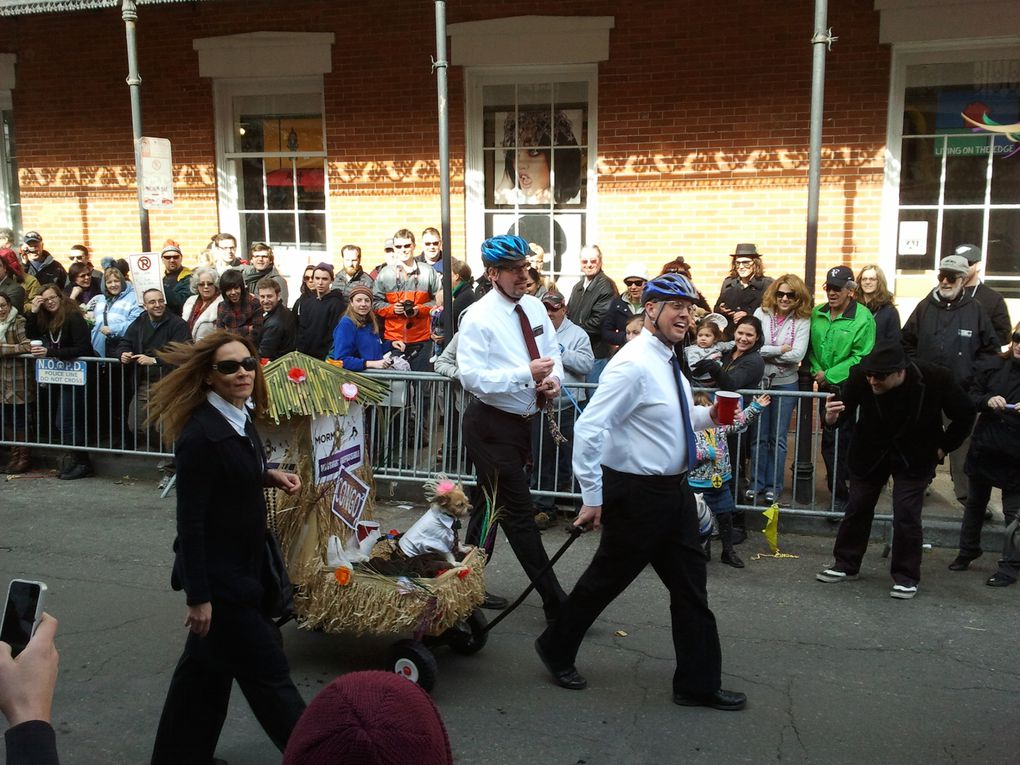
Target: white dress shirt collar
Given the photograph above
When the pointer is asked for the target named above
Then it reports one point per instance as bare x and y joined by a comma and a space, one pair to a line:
236, 417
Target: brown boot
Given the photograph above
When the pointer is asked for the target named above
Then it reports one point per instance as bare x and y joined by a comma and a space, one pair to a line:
19, 460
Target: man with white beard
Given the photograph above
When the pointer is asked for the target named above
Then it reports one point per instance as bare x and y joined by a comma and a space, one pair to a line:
949, 327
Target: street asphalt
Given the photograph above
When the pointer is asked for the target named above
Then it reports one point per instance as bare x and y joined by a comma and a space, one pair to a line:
835, 673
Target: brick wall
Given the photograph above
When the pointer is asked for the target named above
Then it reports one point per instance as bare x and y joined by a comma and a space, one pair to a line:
702, 134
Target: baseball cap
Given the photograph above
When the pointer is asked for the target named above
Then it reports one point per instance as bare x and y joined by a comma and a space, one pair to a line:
635, 271
388, 244
954, 264
969, 251
553, 299
31, 237
838, 276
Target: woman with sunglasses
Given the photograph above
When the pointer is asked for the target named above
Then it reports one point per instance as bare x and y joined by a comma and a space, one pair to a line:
81, 285
876, 296
992, 462
785, 315
201, 308
206, 408
58, 323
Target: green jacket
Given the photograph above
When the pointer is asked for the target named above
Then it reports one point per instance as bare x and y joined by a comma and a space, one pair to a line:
839, 344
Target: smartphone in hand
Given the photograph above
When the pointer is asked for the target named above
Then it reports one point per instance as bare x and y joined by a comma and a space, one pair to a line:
22, 612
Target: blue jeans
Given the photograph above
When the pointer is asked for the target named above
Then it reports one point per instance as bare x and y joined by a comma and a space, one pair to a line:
719, 500
768, 461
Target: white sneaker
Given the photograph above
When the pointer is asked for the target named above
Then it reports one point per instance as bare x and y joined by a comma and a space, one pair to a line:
831, 575
903, 591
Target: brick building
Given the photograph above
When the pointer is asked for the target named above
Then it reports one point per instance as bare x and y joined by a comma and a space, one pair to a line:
658, 128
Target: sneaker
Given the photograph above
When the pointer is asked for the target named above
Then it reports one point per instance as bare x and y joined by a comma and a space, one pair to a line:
750, 496
903, 591
81, 470
999, 579
831, 575
770, 497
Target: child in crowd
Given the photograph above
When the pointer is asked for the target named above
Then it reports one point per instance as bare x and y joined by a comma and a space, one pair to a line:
711, 475
708, 343
634, 325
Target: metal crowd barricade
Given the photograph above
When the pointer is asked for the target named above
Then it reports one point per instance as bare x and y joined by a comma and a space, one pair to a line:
412, 435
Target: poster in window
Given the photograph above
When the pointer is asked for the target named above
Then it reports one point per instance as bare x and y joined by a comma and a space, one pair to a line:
542, 163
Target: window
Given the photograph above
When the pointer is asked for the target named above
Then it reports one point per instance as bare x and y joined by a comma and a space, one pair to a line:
531, 161
10, 199
960, 166
274, 162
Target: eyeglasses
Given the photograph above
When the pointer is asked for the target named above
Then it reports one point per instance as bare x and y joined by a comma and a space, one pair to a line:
207, 284
516, 270
948, 277
231, 247
679, 306
51, 299
1016, 337
832, 288
877, 376
549, 308
743, 262
230, 366
75, 258
780, 294
633, 282
430, 244
171, 257
591, 262
407, 246
308, 277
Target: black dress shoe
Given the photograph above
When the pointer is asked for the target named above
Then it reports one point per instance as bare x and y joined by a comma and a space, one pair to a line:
960, 563
81, 470
728, 701
568, 678
999, 579
494, 602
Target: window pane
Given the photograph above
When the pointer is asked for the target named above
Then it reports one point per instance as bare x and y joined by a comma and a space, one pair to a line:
313, 231
569, 166
280, 189
961, 227
277, 123
1006, 173
281, 227
255, 227
920, 170
252, 191
311, 189
535, 94
1003, 257
916, 240
966, 170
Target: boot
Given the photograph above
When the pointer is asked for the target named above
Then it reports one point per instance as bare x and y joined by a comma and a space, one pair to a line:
19, 460
728, 556
739, 530
706, 545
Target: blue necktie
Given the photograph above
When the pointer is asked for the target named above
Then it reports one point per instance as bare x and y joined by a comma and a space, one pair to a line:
685, 414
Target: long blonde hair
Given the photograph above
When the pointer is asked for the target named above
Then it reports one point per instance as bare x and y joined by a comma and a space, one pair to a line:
802, 303
176, 397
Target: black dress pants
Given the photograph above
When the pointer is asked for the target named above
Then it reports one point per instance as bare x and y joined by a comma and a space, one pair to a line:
908, 538
647, 520
980, 492
242, 645
499, 445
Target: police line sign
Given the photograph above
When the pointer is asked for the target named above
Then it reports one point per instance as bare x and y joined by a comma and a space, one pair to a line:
57, 372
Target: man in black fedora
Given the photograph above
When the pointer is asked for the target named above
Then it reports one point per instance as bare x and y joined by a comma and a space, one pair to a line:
742, 290
898, 405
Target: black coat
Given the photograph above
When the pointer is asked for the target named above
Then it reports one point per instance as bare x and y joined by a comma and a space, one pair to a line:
142, 337
316, 319
887, 322
740, 297
995, 306
221, 512
994, 454
587, 307
903, 427
72, 342
279, 333
957, 335
614, 325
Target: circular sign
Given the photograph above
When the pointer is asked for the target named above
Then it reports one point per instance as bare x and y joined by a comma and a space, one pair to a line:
144, 264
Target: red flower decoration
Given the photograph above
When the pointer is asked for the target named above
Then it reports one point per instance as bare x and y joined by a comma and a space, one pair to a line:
263, 361
296, 375
463, 573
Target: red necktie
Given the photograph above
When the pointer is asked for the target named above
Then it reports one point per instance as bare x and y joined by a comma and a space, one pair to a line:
529, 340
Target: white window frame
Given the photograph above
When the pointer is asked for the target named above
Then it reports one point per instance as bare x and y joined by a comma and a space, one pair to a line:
7, 182
224, 91
475, 80
911, 54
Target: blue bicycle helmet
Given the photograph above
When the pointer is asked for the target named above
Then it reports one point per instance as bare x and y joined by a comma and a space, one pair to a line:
669, 287
504, 249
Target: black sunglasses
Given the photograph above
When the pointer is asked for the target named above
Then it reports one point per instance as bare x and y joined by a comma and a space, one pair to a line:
633, 282
1016, 337
230, 366
948, 277
787, 295
877, 376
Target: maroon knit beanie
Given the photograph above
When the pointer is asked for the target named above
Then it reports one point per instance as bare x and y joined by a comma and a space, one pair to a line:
370, 718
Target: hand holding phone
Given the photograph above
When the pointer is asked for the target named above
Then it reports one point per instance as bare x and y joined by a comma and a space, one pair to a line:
22, 613
27, 682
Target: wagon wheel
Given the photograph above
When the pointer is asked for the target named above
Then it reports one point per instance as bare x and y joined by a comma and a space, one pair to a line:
411, 659
468, 636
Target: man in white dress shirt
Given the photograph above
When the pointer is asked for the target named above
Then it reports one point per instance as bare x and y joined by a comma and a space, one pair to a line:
633, 446
510, 382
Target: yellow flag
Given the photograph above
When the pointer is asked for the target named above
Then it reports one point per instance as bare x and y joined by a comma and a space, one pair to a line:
771, 530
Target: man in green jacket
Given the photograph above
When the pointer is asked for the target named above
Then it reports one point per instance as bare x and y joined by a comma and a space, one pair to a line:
842, 333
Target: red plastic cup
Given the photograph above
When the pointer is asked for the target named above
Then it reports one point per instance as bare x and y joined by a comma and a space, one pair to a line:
365, 528
726, 405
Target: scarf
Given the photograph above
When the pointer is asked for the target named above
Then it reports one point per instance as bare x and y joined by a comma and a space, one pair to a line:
7, 323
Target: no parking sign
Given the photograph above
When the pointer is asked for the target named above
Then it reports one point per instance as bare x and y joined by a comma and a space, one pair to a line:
145, 273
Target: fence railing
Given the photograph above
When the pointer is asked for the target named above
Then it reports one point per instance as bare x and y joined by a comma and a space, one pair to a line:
412, 435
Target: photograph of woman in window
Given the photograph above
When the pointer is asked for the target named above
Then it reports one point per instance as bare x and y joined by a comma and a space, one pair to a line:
530, 162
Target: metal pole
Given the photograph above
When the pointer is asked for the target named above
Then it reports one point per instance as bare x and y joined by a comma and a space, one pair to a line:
129, 13
439, 66
822, 42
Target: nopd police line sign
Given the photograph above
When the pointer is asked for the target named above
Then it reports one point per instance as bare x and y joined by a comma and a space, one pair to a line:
57, 372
